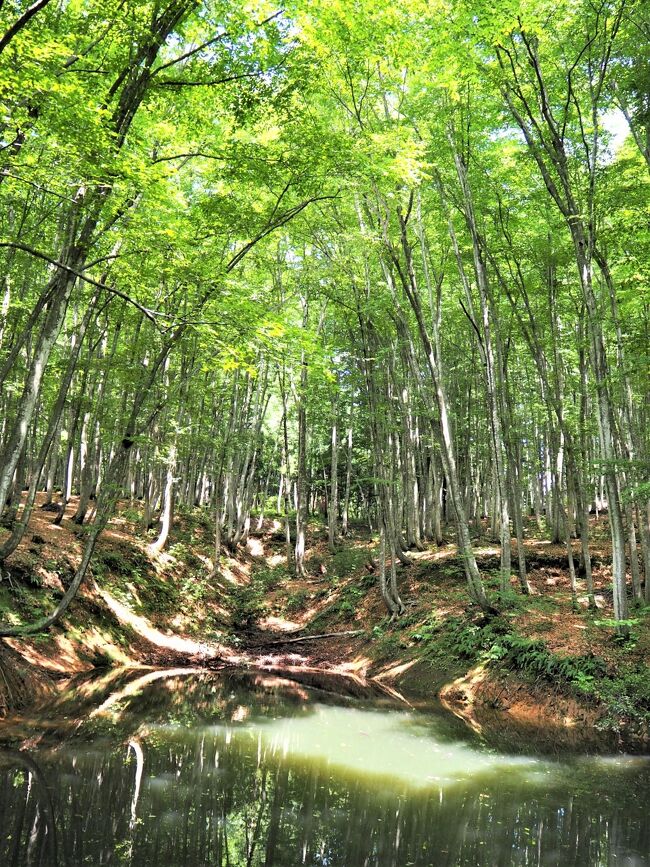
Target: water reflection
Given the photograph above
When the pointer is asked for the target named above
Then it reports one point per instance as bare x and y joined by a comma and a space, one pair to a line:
237, 770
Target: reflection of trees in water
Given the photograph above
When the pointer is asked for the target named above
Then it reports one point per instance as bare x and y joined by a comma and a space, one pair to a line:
128, 698
30, 830
200, 799
181, 795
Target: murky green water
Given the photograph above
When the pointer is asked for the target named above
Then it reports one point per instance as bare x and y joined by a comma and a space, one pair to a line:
234, 770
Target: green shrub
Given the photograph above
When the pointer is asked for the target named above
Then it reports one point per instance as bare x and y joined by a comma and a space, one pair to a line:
269, 577
533, 657
626, 695
247, 605
297, 600
427, 631
130, 514
178, 551
493, 643
347, 560
115, 562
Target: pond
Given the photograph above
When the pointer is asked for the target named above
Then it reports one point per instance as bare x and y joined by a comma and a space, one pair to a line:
187, 768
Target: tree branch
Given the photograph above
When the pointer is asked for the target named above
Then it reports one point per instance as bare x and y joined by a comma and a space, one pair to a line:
150, 314
21, 22
276, 223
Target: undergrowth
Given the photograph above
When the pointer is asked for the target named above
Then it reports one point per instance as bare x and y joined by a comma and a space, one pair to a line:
624, 692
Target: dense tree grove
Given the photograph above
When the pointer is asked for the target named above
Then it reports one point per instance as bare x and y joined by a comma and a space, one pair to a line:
386, 262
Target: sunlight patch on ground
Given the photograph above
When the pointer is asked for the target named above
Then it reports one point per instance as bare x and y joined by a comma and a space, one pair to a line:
161, 559
488, 552
459, 696
435, 554
395, 670
207, 562
64, 659
279, 624
282, 658
255, 547
144, 628
360, 664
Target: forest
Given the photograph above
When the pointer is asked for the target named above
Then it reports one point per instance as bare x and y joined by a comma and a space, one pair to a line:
372, 268
324, 427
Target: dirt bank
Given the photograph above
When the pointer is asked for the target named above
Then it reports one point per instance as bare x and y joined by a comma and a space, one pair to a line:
546, 660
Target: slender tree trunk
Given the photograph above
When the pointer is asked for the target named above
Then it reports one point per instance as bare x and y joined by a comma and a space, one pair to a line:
301, 468
332, 533
348, 482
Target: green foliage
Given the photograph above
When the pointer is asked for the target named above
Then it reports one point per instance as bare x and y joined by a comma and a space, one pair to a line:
297, 600
132, 515
184, 205
193, 589
494, 643
427, 631
626, 696
509, 600
388, 641
533, 658
624, 630
347, 560
349, 599
269, 577
115, 562
247, 605
179, 550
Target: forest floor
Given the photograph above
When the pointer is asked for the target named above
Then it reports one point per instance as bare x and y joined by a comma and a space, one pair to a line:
544, 660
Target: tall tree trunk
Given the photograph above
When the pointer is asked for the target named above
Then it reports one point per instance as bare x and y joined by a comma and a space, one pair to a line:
301, 467
332, 531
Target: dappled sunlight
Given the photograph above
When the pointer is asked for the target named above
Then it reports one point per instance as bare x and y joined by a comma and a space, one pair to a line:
294, 373
435, 554
359, 665
207, 562
279, 660
240, 713
144, 629
235, 572
100, 642
490, 551
389, 690
459, 696
64, 659
162, 560
274, 623
255, 547
280, 683
393, 671
351, 669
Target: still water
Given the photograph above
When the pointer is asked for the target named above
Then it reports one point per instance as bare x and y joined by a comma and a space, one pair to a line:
188, 769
